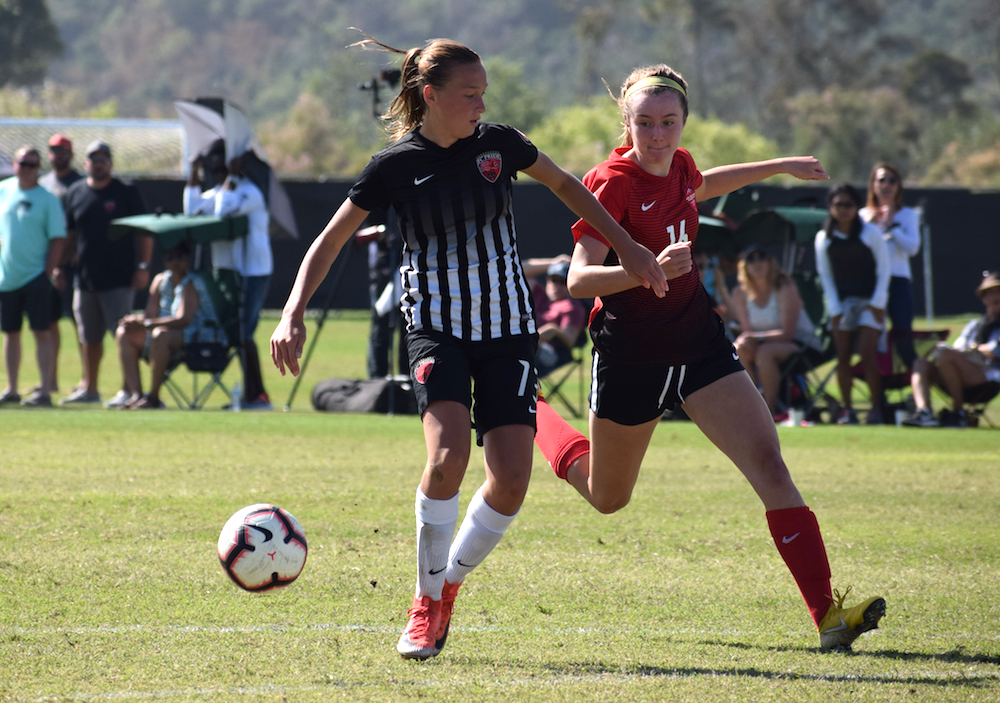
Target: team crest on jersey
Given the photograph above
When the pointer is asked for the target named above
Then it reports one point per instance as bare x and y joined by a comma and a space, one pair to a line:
109, 206
423, 369
490, 165
690, 197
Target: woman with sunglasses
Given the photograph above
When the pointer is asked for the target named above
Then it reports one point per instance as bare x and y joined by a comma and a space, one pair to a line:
773, 322
654, 354
853, 263
471, 333
900, 227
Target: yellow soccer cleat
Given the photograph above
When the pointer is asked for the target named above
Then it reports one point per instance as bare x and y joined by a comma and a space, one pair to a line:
841, 626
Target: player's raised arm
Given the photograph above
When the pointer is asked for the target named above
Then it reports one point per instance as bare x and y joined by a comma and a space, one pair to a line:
290, 335
725, 179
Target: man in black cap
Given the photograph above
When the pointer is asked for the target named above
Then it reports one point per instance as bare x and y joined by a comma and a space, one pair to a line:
108, 272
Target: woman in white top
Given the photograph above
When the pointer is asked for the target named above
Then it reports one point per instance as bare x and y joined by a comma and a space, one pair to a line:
773, 322
853, 263
901, 230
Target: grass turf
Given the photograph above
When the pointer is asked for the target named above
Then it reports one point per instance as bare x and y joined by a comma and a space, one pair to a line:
110, 589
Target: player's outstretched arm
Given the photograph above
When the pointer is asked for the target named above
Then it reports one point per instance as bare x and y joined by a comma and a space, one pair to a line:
290, 335
638, 261
725, 179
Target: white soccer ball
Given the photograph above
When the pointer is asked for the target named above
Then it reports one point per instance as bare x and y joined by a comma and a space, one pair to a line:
262, 547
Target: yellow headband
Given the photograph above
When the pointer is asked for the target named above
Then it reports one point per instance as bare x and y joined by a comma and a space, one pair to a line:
654, 81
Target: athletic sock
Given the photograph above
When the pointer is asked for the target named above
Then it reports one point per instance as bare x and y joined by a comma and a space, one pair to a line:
436, 520
796, 535
558, 441
480, 532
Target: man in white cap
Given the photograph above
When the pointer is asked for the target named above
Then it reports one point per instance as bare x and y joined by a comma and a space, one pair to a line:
108, 272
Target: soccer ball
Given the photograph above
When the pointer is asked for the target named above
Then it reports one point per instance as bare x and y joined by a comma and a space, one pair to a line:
262, 547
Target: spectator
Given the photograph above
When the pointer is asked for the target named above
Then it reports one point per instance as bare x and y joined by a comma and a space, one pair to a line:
32, 236
853, 263
234, 194
178, 312
971, 364
108, 272
58, 181
714, 281
560, 319
901, 229
384, 244
773, 322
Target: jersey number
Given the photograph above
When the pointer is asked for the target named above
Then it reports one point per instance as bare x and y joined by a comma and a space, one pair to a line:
673, 233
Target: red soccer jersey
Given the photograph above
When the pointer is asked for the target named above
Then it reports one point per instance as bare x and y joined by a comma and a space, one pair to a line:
634, 326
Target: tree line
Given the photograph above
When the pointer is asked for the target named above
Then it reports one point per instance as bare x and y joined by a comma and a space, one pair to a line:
850, 81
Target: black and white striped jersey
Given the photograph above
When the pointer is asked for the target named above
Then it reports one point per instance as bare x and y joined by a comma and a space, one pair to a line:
460, 269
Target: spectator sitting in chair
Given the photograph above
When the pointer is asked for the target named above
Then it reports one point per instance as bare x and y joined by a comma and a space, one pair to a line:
560, 317
773, 322
971, 367
179, 311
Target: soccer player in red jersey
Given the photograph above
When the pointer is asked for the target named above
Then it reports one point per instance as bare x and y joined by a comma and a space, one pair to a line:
651, 353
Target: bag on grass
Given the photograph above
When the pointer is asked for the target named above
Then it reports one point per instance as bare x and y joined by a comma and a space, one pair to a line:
346, 395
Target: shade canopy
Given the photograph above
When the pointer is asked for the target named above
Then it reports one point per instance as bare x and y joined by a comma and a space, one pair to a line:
170, 230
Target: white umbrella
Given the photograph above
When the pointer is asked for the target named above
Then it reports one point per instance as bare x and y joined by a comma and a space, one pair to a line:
206, 120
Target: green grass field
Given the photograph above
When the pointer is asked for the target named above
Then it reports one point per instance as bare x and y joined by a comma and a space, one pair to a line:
110, 588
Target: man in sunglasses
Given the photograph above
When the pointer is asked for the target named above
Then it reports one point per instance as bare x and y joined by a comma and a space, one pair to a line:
32, 236
108, 272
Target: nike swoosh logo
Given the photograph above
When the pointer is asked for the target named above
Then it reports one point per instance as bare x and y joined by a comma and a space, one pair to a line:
839, 628
786, 540
736, 357
467, 566
645, 207
532, 410
418, 181
434, 572
267, 533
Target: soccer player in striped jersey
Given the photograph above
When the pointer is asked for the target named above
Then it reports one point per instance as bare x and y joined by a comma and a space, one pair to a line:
466, 304
652, 353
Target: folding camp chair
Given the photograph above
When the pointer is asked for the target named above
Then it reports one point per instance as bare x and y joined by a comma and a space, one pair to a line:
553, 383
894, 372
977, 399
802, 384
210, 358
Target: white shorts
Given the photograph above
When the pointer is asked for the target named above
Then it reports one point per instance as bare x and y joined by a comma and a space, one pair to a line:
856, 313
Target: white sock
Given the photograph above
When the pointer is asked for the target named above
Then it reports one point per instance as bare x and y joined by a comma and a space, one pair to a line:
480, 533
436, 520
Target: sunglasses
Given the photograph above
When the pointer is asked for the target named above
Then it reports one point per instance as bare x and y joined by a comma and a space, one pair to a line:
756, 256
99, 159
29, 164
888, 180
843, 204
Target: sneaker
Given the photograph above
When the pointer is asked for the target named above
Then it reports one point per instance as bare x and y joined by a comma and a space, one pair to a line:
147, 403
841, 626
81, 397
874, 417
259, 403
37, 399
848, 417
121, 400
780, 418
921, 418
448, 594
954, 419
418, 640
10, 396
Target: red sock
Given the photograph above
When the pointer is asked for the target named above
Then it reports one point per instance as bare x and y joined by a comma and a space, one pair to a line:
559, 443
797, 537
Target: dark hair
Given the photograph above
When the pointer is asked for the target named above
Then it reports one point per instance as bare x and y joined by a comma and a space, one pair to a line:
431, 64
181, 250
851, 192
645, 72
872, 200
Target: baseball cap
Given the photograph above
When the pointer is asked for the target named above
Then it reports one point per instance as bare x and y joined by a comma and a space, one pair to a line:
61, 140
991, 279
96, 146
560, 269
